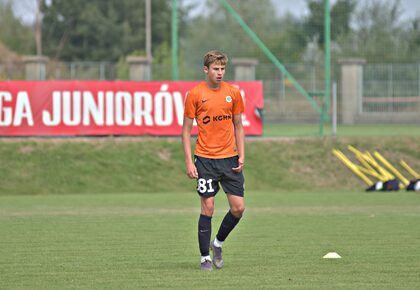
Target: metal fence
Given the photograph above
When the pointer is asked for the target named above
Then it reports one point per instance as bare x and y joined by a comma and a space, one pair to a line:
391, 88
387, 88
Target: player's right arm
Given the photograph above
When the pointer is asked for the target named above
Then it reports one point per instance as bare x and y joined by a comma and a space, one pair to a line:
186, 142
189, 115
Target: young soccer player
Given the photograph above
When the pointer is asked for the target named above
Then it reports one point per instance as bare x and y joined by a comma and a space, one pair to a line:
219, 153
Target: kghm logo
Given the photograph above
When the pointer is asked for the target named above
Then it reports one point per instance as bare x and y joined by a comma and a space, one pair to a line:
222, 118
219, 118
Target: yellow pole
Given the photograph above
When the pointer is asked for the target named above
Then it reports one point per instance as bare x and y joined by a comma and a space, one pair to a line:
385, 173
409, 169
365, 159
352, 167
354, 150
372, 173
359, 156
392, 168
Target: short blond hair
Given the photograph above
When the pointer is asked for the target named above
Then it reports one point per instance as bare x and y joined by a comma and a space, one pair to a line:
215, 56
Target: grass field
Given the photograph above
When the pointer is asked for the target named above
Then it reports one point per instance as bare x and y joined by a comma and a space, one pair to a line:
119, 213
148, 241
360, 130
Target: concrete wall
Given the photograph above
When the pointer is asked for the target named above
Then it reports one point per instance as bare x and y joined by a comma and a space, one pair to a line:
351, 88
139, 68
244, 69
35, 67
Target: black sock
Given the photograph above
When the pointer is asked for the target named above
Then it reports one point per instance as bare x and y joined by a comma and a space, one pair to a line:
228, 224
204, 234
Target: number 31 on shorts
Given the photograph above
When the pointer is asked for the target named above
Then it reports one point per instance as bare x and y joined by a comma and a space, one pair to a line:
204, 185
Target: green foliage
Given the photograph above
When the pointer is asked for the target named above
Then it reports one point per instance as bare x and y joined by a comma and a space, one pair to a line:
341, 12
162, 59
15, 35
288, 43
369, 29
217, 29
379, 34
101, 30
122, 69
98, 30
162, 54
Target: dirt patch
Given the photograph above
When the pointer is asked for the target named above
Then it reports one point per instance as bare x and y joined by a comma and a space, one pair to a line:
164, 154
26, 149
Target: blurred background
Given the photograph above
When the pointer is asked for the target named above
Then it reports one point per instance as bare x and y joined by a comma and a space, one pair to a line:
374, 46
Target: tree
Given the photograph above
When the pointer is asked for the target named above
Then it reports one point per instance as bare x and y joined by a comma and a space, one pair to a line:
216, 28
413, 37
101, 30
13, 33
341, 13
380, 35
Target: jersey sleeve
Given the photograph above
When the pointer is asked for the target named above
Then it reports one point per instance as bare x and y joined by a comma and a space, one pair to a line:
238, 105
190, 106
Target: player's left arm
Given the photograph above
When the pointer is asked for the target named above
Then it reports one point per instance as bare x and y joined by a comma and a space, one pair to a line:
240, 141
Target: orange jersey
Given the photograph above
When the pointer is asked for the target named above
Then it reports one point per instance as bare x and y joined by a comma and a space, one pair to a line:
213, 110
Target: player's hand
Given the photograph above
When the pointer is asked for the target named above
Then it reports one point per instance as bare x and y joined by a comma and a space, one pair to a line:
240, 166
192, 171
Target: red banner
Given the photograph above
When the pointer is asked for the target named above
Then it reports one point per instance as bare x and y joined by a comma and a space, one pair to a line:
65, 108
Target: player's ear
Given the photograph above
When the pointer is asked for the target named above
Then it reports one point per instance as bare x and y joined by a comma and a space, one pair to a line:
206, 69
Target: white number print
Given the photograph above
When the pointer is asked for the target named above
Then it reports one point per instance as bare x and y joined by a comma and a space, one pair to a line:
205, 185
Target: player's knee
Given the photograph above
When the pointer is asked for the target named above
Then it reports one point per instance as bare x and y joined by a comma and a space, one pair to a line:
207, 209
238, 210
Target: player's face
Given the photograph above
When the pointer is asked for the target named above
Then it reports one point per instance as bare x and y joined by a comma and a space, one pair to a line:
215, 73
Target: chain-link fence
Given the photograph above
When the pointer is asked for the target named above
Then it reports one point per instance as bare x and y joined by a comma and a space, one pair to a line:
391, 88
386, 87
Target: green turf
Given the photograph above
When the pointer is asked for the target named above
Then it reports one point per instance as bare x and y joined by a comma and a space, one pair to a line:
378, 130
148, 241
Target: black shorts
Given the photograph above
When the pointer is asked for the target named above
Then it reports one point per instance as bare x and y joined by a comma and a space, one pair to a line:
213, 171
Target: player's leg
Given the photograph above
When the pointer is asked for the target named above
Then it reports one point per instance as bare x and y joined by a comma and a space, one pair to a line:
231, 219
204, 227
236, 204
233, 184
207, 188
204, 232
